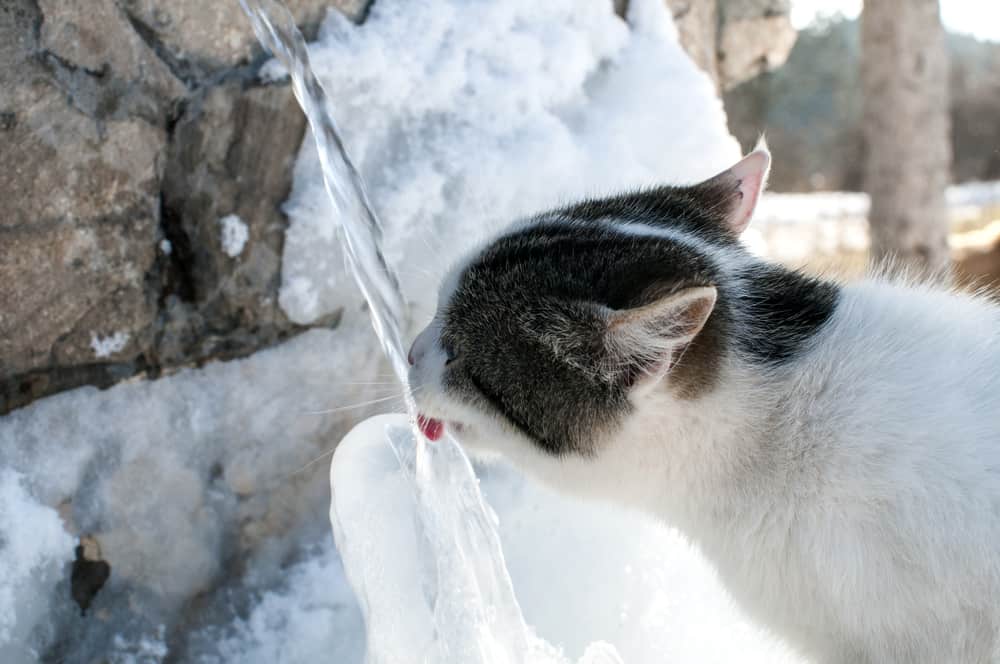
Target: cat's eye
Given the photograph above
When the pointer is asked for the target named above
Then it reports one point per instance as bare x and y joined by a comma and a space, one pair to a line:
449, 353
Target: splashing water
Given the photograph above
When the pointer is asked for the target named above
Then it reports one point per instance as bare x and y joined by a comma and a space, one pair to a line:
434, 589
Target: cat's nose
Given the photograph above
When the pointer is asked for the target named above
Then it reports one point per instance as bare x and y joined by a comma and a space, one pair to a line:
409, 357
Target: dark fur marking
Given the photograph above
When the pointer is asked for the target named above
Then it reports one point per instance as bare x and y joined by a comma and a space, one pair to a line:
785, 310
534, 288
700, 210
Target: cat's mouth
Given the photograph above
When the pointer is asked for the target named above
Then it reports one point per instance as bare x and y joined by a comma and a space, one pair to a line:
433, 428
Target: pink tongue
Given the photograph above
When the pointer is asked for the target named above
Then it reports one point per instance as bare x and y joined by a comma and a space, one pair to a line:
430, 427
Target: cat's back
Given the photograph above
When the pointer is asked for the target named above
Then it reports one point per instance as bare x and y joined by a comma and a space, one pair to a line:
917, 362
894, 456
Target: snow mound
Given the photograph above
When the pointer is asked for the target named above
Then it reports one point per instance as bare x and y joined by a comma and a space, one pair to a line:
462, 116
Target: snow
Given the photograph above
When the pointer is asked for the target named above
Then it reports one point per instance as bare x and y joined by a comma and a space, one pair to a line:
206, 488
234, 235
502, 109
312, 617
34, 549
109, 345
795, 227
177, 476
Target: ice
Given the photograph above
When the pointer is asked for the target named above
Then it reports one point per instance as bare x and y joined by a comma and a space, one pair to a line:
311, 616
583, 572
234, 235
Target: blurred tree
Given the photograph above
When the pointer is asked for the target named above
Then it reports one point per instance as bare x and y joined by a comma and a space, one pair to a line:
810, 109
904, 76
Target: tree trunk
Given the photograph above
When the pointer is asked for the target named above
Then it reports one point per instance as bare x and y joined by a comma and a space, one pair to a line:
904, 75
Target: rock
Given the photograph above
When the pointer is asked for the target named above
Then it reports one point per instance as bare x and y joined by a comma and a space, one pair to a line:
74, 35
231, 158
697, 24
81, 193
83, 212
734, 40
128, 129
89, 573
755, 36
205, 37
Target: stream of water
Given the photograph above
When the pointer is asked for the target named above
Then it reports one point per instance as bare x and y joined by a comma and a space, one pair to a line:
471, 612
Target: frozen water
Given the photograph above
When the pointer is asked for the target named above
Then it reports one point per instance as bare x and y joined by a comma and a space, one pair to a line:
472, 615
582, 572
174, 478
451, 601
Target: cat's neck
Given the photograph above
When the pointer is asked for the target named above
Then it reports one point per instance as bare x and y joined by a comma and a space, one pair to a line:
706, 454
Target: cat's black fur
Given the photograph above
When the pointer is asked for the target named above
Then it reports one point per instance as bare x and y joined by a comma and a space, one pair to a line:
524, 322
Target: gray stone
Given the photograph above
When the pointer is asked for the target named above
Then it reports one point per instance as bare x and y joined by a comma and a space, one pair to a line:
124, 124
96, 36
81, 207
754, 36
78, 231
204, 37
232, 154
734, 40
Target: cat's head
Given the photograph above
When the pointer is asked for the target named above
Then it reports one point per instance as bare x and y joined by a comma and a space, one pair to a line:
548, 337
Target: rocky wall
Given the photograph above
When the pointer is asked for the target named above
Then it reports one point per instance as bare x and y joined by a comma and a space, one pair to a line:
142, 169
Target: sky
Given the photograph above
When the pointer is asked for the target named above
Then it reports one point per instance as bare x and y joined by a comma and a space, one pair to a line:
980, 18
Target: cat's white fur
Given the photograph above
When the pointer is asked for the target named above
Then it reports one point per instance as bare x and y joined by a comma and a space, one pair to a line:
850, 498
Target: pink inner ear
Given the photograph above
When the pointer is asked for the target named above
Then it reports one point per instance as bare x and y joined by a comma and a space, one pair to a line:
751, 172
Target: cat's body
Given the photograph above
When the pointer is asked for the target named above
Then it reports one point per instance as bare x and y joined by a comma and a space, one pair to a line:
833, 450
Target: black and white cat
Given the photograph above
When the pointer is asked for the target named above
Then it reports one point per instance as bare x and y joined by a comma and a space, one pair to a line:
833, 449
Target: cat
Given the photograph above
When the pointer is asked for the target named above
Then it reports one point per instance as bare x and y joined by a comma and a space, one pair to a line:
833, 449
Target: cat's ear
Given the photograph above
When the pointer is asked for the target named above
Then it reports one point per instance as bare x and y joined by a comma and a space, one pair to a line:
645, 341
741, 186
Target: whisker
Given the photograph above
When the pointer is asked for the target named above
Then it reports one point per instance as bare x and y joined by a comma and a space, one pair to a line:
308, 465
327, 411
371, 402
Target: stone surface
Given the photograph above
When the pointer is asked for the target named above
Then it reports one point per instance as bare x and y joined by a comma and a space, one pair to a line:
232, 154
128, 128
96, 36
205, 37
752, 46
81, 212
734, 40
